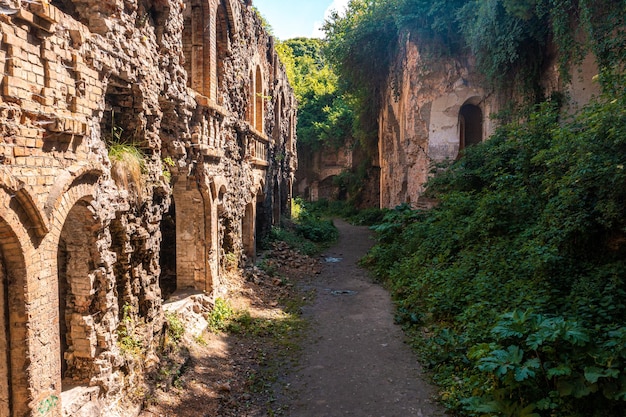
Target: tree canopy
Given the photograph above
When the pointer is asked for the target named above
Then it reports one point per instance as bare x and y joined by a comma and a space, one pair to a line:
324, 113
508, 38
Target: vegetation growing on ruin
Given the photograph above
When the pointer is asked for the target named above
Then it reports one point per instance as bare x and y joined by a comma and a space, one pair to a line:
127, 166
175, 326
509, 39
128, 340
513, 286
308, 231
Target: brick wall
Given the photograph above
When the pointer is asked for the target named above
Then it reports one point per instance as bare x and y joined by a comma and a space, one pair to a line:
80, 234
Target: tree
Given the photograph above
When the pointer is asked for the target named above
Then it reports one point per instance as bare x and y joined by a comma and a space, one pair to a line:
325, 115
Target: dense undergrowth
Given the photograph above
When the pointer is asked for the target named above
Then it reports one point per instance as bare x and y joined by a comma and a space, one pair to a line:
346, 210
513, 287
308, 231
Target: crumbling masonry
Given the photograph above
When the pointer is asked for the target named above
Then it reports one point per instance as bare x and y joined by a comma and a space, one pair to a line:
444, 105
91, 238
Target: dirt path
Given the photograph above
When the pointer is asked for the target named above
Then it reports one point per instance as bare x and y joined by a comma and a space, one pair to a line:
355, 361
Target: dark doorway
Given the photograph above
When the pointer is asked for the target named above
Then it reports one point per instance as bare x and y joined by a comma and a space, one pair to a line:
167, 279
470, 125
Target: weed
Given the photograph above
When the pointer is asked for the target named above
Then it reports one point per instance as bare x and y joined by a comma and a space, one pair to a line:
199, 339
175, 327
231, 261
269, 267
167, 163
127, 340
220, 316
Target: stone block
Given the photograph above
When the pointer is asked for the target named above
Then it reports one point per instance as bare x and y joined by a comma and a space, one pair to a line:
16, 88
13, 40
20, 151
45, 11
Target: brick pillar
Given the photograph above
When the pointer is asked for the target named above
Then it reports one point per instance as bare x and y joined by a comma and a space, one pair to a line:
248, 227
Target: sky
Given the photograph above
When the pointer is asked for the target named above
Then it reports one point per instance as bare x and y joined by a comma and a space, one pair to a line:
297, 18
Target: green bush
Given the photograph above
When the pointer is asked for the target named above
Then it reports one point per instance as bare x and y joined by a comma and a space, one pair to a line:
288, 234
175, 326
221, 315
513, 287
307, 232
316, 229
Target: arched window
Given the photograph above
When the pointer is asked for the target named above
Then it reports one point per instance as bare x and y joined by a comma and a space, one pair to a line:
197, 50
470, 125
258, 100
251, 102
278, 111
224, 30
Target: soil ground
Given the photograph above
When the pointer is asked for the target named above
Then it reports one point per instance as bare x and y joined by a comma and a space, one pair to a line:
355, 361
352, 360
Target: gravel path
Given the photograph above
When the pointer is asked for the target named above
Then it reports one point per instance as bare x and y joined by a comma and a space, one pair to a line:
355, 361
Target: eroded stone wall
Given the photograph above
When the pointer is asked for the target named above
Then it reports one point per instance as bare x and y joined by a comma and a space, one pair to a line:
198, 89
443, 105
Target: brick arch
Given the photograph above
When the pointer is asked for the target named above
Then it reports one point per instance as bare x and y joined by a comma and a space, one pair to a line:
23, 194
77, 175
14, 342
219, 188
75, 227
227, 6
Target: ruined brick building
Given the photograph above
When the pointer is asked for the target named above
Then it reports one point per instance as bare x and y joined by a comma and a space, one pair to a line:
433, 107
444, 105
90, 241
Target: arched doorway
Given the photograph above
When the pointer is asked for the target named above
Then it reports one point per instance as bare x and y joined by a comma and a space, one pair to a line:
5, 342
12, 353
284, 198
263, 220
278, 111
470, 126
14, 344
190, 219
76, 263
